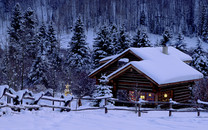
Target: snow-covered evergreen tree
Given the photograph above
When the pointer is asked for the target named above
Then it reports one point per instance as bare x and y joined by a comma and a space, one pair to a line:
54, 59
103, 90
78, 53
140, 39
114, 38
202, 24
179, 44
136, 38
166, 38
29, 26
37, 74
27, 43
53, 48
144, 41
102, 46
123, 41
142, 18
200, 61
15, 46
41, 39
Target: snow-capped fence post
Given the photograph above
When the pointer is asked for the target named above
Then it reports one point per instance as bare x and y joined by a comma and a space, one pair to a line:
197, 107
139, 109
171, 106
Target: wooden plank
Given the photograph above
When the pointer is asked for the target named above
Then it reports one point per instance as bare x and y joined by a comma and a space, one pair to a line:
180, 96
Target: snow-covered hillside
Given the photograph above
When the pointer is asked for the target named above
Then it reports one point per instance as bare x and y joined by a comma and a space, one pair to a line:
97, 120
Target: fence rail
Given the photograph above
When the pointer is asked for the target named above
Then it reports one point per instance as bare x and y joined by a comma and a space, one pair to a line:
17, 99
65, 101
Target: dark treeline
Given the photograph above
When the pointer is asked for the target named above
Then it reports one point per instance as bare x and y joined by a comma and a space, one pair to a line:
180, 15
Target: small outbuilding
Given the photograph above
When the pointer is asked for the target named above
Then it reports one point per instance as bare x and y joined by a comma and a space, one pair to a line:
150, 73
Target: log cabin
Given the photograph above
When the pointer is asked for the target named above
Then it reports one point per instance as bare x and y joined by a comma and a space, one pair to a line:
149, 73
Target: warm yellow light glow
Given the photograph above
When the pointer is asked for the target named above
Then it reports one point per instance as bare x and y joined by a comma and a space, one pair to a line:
150, 94
142, 97
165, 95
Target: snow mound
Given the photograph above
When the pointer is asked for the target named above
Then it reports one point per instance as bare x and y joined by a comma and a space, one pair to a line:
2, 89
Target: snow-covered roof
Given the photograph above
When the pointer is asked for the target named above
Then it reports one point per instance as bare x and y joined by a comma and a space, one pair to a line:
148, 53
169, 70
156, 53
108, 58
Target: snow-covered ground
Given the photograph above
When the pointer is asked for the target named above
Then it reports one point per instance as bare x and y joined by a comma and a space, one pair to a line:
97, 120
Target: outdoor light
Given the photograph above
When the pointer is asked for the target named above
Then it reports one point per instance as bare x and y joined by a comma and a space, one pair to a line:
165, 95
150, 94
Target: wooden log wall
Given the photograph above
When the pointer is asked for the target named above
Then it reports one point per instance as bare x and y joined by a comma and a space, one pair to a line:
115, 65
131, 79
181, 92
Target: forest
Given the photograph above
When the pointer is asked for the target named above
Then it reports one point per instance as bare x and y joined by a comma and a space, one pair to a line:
32, 57
180, 15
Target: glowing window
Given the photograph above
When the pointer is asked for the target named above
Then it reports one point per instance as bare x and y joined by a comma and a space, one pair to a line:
150, 94
142, 97
165, 95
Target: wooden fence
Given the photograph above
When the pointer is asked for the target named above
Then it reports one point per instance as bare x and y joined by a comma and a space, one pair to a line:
17, 103
25, 99
196, 107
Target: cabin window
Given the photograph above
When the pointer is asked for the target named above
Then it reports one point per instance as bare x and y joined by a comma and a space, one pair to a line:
149, 96
164, 96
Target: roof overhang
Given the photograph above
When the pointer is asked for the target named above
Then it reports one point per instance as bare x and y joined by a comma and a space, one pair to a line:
121, 70
108, 63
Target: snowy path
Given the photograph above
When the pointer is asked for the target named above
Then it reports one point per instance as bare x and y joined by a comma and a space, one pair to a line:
97, 120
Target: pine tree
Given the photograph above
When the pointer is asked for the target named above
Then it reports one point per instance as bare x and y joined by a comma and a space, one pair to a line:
166, 38
29, 26
78, 53
16, 47
37, 74
200, 61
114, 38
123, 41
53, 57
53, 48
103, 90
140, 39
202, 21
142, 18
204, 24
136, 38
28, 48
179, 44
102, 46
41, 39
144, 41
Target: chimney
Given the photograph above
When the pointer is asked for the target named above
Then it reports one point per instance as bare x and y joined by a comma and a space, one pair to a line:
165, 50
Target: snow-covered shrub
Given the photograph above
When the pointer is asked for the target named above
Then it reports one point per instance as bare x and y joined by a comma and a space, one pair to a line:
102, 90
